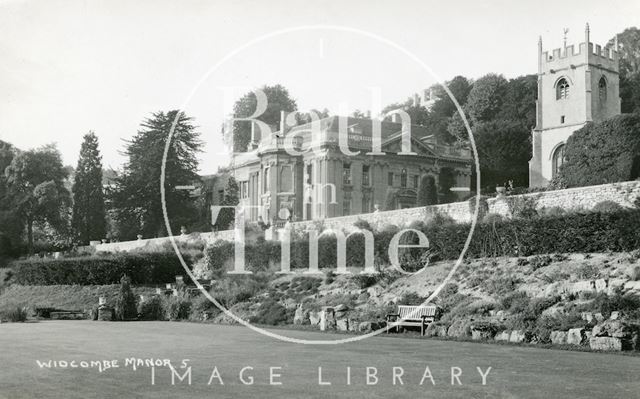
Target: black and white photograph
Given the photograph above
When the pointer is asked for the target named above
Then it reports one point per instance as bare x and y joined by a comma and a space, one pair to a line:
329, 199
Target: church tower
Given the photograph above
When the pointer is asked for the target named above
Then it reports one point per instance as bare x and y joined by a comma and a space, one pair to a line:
574, 87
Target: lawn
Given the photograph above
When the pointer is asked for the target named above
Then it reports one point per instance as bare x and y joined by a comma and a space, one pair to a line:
517, 372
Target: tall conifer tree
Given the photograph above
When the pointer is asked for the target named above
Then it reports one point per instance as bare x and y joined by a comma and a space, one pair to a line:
88, 219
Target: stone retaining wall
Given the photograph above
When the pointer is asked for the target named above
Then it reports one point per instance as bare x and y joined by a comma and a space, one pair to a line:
585, 198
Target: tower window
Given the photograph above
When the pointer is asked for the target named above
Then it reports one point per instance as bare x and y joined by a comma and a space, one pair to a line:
562, 89
562, 119
557, 160
602, 89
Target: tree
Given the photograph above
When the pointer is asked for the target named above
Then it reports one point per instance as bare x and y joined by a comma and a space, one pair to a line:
126, 308
278, 99
446, 180
11, 227
503, 151
35, 188
486, 97
427, 191
88, 220
519, 103
629, 56
604, 152
136, 194
226, 216
443, 106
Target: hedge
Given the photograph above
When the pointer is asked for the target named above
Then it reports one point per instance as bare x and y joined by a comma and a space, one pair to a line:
617, 231
142, 268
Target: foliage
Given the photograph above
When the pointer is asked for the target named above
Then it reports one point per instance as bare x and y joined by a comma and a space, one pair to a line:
226, 216
126, 301
503, 148
629, 58
272, 313
36, 190
177, 307
278, 99
88, 220
14, 313
411, 299
427, 191
540, 261
151, 308
142, 268
604, 152
446, 181
136, 198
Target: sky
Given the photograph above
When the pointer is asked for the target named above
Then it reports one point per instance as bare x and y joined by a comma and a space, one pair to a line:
68, 67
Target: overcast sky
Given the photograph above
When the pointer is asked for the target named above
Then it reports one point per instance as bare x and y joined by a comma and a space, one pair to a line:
67, 67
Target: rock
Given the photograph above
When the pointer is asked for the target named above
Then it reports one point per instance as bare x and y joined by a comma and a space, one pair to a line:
599, 317
289, 303
503, 336
342, 325
340, 308
615, 315
601, 284
587, 316
363, 297
517, 336
458, 329
327, 319
576, 336
314, 318
558, 337
482, 331
353, 325
605, 344
436, 330
301, 316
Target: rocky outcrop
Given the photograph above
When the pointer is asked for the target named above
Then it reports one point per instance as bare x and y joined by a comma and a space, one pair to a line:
576, 336
615, 334
327, 319
558, 337
301, 316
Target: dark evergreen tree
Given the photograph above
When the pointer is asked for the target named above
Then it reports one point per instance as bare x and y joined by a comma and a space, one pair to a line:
88, 219
136, 197
227, 215
427, 191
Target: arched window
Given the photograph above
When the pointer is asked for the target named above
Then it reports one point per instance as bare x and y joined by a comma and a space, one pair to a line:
557, 160
403, 178
562, 89
602, 89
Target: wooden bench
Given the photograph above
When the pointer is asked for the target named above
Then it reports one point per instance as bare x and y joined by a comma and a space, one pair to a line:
412, 316
68, 315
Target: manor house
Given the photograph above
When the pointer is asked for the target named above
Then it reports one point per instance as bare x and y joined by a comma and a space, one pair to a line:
319, 179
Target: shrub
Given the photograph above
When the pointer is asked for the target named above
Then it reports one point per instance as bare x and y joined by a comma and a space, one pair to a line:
329, 277
235, 289
523, 206
126, 301
412, 299
515, 302
151, 308
142, 268
589, 153
177, 307
362, 225
272, 313
364, 280
588, 271
200, 306
14, 313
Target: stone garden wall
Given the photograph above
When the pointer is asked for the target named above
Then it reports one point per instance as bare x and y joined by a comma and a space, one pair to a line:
584, 198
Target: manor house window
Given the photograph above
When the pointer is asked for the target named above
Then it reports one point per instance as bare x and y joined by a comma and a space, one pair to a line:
403, 178
390, 179
365, 175
346, 173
